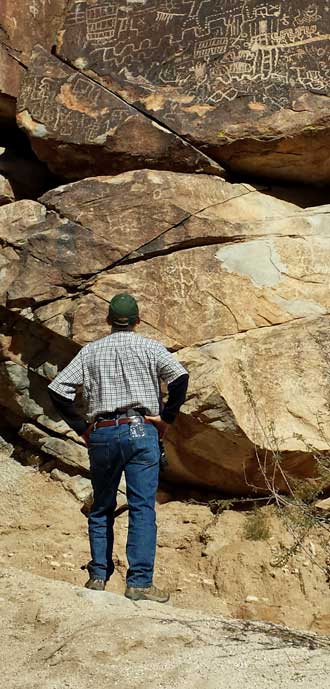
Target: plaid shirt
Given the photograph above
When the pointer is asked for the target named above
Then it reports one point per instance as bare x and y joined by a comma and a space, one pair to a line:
119, 371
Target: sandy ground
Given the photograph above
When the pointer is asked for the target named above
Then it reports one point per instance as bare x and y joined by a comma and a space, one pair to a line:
205, 561
57, 636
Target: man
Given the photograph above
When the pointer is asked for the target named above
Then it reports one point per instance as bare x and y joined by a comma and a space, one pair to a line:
121, 375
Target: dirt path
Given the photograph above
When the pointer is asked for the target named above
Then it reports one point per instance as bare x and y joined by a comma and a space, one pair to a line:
57, 636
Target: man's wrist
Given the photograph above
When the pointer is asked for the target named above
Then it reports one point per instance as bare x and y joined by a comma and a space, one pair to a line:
167, 418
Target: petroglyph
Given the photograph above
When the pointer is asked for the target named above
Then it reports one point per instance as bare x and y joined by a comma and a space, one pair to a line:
81, 128
207, 50
80, 108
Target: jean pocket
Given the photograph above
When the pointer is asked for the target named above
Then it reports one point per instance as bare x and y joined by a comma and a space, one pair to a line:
99, 453
144, 450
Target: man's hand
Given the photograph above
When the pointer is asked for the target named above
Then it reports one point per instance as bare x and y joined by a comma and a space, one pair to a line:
85, 437
161, 425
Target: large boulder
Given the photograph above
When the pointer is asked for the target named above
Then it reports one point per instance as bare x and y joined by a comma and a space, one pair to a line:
257, 413
23, 24
236, 280
246, 82
81, 128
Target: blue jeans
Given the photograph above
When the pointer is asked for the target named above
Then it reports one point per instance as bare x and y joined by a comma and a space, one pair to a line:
111, 451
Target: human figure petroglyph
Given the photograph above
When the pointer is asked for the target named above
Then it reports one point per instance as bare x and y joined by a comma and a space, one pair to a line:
36, 93
34, 8
308, 14
86, 89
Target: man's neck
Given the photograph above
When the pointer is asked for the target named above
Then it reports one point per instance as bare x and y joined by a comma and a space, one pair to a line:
121, 330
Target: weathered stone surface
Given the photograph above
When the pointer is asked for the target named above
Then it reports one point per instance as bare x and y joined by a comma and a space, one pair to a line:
212, 291
257, 412
78, 486
209, 262
254, 260
24, 393
6, 191
134, 644
68, 454
323, 506
17, 219
81, 129
31, 345
16, 222
23, 24
247, 82
10, 76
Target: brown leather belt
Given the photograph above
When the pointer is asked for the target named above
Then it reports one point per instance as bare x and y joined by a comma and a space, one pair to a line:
116, 422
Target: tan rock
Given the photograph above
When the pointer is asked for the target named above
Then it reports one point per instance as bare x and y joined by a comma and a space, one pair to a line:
6, 191
249, 260
78, 486
240, 277
187, 646
226, 289
31, 345
68, 454
17, 219
25, 394
256, 413
323, 506
249, 84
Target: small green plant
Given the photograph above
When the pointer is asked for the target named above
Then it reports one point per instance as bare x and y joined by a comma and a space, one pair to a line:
256, 527
219, 505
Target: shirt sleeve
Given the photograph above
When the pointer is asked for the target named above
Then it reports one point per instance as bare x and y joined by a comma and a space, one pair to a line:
177, 391
67, 381
168, 368
66, 409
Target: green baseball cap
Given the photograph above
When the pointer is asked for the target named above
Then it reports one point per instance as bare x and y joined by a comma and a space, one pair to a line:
123, 310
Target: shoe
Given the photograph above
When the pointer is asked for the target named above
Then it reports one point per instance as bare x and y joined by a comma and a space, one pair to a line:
95, 584
151, 593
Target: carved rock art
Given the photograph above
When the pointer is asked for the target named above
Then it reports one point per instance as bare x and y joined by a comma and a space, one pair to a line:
23, 23
247, 81
236, 280
81, 129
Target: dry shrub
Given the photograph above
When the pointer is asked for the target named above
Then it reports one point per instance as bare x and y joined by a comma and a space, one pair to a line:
256, 527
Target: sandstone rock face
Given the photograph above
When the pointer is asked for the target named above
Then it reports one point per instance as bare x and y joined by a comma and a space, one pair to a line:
10, 77
23, 24
6, 191
257, 411
238, 258
248, 83
236, 280
80, 128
